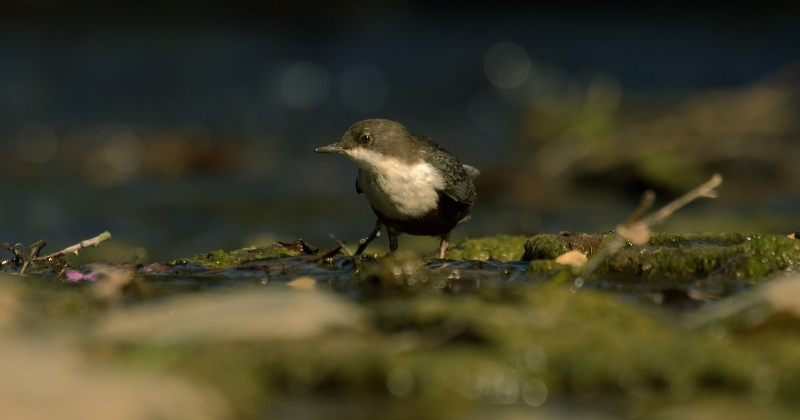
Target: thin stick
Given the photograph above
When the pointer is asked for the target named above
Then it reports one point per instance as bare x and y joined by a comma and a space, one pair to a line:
705, 190
645, 204
97, 240
637, 222
342, 245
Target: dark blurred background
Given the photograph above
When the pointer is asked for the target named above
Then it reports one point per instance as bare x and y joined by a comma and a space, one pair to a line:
183, 127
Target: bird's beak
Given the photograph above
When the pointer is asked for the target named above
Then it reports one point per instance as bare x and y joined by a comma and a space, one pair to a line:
331, 148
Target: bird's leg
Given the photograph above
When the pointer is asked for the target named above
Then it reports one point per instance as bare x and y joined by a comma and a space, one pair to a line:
444, 245
392, 239
362, 244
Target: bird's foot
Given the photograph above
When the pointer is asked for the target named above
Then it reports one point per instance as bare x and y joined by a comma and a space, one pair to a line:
443, 246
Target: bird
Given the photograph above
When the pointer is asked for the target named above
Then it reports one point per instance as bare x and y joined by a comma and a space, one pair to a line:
413, 184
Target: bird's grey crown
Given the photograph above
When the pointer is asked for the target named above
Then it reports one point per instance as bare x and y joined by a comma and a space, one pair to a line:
384, 136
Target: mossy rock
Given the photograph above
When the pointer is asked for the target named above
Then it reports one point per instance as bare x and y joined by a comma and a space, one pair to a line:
589, 346
548, 246
229, 259
677, 257
501, 247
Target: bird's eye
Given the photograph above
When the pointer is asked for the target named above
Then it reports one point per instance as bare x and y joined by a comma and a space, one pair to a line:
365, 139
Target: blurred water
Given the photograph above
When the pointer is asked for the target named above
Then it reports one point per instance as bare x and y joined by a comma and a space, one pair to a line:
184, 137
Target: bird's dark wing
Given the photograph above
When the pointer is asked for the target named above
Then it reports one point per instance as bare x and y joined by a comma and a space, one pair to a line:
472, 171
458, 184
358, 187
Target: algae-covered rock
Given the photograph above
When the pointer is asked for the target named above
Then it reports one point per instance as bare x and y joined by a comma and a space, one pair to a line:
549, 247
445, 355
501, 247
407, 336
678, 257
550, 271
423, 352
407, 274
732, 256
228, 259
398, 274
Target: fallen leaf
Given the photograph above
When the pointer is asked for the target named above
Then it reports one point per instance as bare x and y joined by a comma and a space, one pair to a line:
573, 258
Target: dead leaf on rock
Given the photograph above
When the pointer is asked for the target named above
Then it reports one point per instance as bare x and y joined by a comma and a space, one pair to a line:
573, 258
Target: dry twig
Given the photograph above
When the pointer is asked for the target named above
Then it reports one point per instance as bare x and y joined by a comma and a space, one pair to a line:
97, 240
29, 256
637, 229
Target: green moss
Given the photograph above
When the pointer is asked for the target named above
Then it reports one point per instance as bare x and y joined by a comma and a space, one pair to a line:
548, 246
398, 274
696, 239
228, 259
767, 253
577, 344
454, 352
550, 271
689, 258
463, 353
501, 247
684, 258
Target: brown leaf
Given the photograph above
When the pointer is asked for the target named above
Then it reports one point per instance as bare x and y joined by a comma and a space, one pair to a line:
573, 258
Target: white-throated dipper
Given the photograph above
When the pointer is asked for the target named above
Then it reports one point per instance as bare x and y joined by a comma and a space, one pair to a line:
413, 185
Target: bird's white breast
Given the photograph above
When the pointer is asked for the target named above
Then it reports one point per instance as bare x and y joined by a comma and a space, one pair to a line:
397, 189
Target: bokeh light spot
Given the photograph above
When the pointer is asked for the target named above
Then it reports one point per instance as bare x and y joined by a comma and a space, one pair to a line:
305, 85
399, 382
124, 152
507, 65
534, 392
